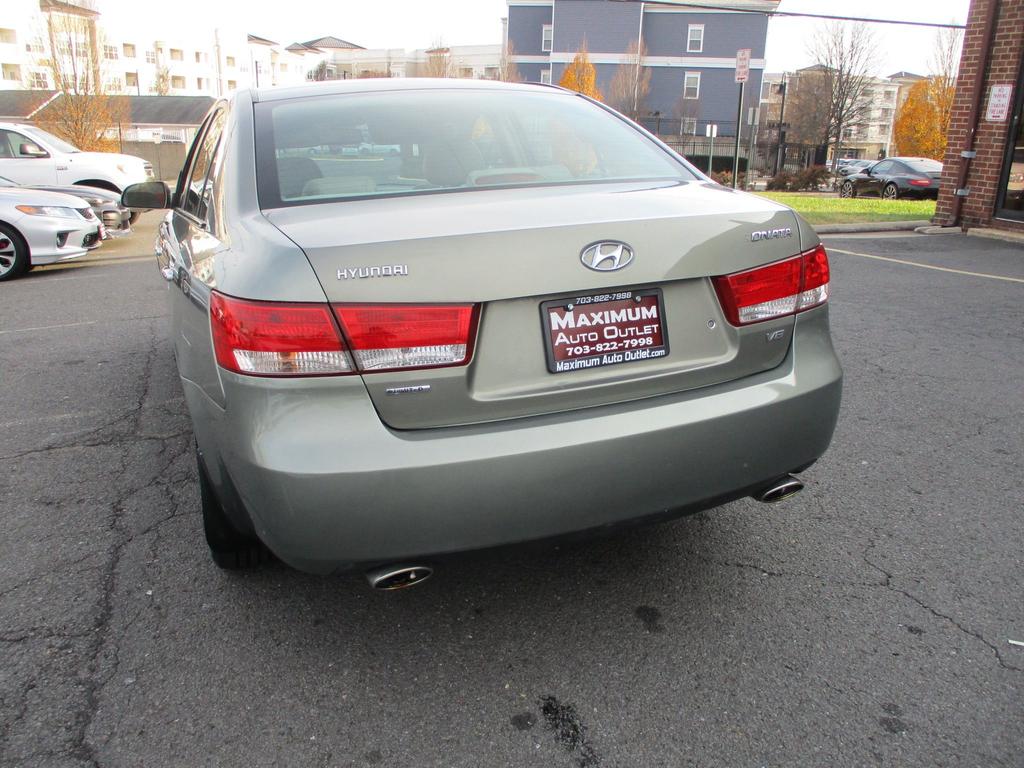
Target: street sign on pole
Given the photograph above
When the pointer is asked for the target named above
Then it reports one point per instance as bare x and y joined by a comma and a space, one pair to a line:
742, 65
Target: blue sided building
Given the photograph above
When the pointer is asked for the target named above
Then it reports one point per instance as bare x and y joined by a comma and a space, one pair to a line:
690, 52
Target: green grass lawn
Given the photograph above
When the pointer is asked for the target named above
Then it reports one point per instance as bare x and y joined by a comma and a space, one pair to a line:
837, 210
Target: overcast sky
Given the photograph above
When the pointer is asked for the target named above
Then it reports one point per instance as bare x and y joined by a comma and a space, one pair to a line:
418, 23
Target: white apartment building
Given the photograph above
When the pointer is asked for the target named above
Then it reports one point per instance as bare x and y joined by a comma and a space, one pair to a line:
205, 63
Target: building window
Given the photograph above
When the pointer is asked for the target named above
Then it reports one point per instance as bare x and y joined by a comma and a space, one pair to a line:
129, 50
688, 126
695, 38
36, 46
230, 60
8, 36
131, 79
38, 80
199, 83
109, 51
115, 85
151, 57
177, 54
491, 73
466, 73
199, 57
283, 67
691, 85
11, 72
547, 36
232, 85
177, 81
545, 76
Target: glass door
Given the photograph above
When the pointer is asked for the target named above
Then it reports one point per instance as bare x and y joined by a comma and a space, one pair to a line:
1010, 198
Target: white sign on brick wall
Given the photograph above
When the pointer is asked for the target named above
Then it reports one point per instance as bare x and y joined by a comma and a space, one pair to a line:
999, 103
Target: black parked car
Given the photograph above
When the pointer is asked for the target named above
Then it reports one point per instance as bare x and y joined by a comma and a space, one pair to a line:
895, 177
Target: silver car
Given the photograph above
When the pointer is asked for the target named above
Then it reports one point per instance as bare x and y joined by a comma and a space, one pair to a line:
530, 319
40, 227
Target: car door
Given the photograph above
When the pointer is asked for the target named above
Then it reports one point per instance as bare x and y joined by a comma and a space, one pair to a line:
24, 167
874, 178
187, 242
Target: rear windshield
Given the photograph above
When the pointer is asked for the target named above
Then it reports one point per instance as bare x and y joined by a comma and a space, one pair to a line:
350, 146
924, 166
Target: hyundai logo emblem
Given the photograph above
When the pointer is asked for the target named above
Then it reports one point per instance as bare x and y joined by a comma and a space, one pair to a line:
607, 256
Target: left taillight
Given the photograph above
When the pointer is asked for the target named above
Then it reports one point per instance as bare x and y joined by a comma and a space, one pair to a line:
259, 338
775, 290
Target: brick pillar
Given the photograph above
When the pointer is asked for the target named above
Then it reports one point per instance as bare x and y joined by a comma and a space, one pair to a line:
990, 141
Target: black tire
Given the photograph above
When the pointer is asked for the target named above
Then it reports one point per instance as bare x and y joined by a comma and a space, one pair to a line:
229, 549
847, 189
890, 192
14, 256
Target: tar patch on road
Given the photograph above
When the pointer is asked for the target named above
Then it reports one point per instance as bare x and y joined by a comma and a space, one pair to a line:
893, 724
651, 618
570, 733
524, 721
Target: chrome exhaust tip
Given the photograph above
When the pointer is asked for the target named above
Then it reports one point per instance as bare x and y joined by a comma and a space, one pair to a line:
391, 577
782, 489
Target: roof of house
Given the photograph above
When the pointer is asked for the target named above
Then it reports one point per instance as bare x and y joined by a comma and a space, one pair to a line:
150, 110
169, 110
21, 104
260, 40
302, 48
901, 75
332, 42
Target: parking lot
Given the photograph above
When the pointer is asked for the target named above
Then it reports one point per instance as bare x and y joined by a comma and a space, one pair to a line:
866, 622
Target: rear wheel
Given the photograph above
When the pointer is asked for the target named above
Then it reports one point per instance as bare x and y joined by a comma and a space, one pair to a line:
13, 253
890, 192
229, 549
847, 190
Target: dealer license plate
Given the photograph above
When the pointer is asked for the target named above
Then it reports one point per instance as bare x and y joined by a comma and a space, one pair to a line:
599, 329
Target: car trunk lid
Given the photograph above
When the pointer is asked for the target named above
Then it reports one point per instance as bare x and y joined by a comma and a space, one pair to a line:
516, 254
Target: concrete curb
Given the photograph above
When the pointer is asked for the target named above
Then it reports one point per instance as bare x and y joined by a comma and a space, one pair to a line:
869, 226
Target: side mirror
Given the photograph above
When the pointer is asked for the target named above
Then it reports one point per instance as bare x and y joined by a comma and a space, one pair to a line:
148, 194
29, 149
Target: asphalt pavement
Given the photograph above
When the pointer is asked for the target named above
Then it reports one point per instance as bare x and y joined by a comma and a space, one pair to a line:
866, 622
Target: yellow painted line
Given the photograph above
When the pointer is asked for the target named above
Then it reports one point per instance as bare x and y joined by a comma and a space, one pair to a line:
927, 266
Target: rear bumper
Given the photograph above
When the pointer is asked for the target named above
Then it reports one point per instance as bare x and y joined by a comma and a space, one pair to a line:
328, 486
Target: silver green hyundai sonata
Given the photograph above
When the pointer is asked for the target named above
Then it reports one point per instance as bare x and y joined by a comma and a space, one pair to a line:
413, 317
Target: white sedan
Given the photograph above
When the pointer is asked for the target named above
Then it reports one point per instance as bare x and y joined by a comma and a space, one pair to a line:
39, 227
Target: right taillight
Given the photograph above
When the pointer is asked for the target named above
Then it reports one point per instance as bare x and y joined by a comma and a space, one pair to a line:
775, 290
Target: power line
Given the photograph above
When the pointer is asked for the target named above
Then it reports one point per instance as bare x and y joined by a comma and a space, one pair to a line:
795, 14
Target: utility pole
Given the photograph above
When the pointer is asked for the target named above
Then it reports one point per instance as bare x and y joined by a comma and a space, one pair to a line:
780, 156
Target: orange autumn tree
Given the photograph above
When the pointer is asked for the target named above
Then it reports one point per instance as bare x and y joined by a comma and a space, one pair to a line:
923, 120
580, 75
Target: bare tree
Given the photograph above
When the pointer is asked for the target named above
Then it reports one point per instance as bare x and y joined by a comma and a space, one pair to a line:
945, 66
439, 61
86, 108
162, 82
807, 110
632, 83
508, 72
846, 53
320, 72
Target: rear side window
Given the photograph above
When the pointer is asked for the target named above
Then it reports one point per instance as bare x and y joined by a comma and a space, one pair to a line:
924, 166
351, 146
